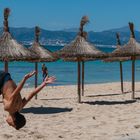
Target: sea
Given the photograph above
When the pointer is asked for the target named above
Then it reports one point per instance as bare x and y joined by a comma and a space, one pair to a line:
66, 72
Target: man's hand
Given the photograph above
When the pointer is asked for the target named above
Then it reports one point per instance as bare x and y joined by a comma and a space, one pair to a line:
29, 75
49, 80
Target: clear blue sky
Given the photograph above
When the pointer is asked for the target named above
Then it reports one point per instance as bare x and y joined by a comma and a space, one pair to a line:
60, 14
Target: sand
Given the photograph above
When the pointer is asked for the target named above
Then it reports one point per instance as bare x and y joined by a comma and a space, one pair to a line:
104, 114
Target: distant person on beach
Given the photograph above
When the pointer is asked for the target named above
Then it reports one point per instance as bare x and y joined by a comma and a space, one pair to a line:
12, 100
44, 71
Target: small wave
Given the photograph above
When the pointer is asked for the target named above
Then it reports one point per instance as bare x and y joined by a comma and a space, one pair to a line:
106, 46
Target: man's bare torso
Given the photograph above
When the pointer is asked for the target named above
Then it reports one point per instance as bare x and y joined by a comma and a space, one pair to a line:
11, 104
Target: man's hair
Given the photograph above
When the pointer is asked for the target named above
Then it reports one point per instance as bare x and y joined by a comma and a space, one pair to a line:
20, 120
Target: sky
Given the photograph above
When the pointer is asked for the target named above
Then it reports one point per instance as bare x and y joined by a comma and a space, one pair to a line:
65, 14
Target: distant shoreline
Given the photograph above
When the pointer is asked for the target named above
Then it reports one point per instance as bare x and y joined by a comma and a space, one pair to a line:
86, 84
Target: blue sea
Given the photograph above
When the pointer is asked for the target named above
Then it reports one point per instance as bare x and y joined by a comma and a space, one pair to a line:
66, 72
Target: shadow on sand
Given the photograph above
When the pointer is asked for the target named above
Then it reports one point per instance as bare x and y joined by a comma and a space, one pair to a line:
45, 110
57, 99
110, 102
116, 94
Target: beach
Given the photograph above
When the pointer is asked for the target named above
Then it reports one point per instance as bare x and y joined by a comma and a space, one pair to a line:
104, 114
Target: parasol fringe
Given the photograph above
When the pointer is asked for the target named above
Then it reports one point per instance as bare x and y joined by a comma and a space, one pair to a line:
118, 39
83, 22
131, 26
6, 15
85, 34
37, 33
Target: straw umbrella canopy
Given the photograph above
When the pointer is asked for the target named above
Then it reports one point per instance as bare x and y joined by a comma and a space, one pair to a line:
120, 59
10, 49
79, 50
131, 49
43, 54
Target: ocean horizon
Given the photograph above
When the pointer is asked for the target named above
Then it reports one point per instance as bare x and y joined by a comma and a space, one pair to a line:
66, 72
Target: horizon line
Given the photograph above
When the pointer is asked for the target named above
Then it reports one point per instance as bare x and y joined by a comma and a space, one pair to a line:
70, 28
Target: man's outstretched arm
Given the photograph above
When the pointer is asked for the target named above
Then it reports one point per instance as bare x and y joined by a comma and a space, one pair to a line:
39, 88
21, 84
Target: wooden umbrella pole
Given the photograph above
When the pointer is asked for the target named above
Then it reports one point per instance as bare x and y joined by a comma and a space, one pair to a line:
121, 76
6, 66
83, 73
79, 82
121, 69
36, 76
133, 77
37, 32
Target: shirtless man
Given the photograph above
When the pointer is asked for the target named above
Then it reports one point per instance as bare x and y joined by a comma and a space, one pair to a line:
44, 71
12, 100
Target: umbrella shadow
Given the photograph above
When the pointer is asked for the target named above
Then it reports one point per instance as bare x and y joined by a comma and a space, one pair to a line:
56, 99
110, 102
137, 98
45, 110
101, 95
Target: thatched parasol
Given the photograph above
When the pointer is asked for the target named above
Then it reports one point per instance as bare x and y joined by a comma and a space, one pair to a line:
10, 50
131, 49
44, 55
80, 50
120, 59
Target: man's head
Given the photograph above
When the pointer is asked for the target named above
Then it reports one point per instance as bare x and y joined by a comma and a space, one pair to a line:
16, 120
43, 65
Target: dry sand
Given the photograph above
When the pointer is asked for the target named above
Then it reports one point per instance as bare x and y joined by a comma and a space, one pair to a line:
104, 114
